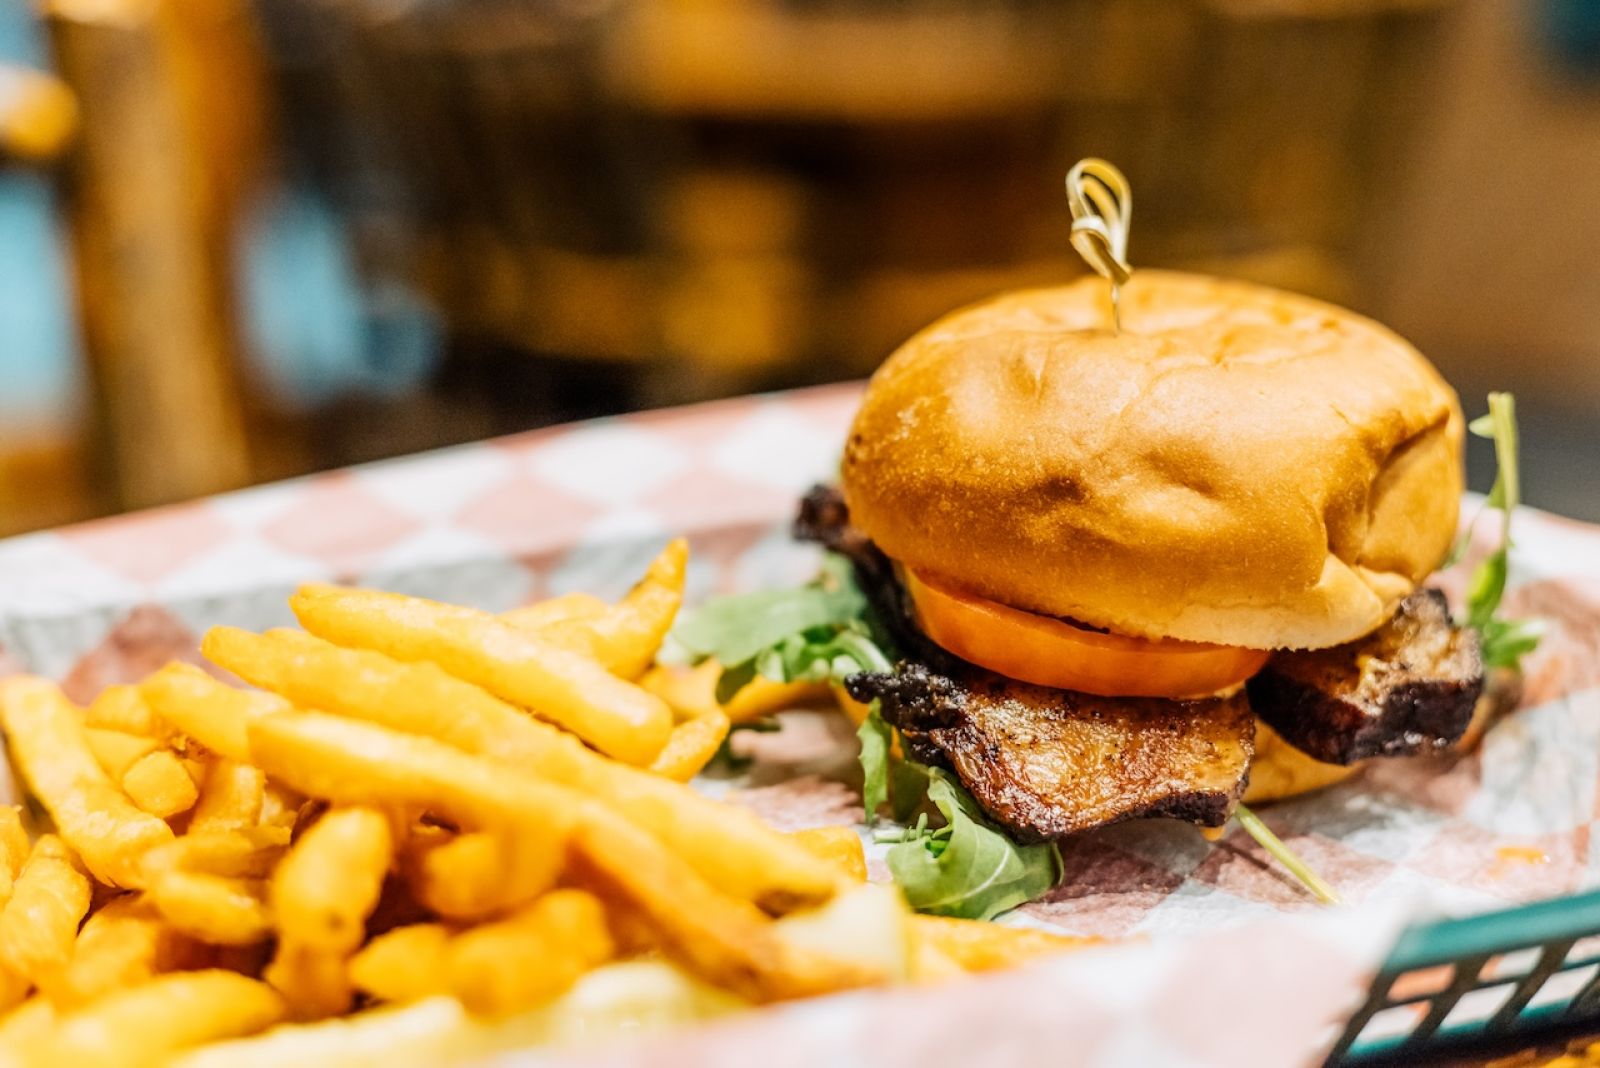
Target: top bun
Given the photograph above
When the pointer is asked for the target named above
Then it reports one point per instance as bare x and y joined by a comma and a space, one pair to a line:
1239, 465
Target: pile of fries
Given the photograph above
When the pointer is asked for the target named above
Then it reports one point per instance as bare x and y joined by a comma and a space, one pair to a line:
426, 831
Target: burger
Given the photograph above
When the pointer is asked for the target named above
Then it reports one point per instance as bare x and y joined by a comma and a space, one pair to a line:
1157, 565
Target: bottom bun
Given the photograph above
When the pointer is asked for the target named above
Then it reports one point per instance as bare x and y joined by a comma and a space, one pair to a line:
1279, 770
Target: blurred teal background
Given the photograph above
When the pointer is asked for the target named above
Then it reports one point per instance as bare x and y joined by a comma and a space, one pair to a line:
39, 364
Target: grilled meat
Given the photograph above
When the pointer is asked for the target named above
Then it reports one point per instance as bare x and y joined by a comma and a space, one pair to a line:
1407, 688
1047, 763
1042, 762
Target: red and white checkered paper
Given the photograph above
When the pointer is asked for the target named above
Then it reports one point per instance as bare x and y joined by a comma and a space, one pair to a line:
1231, 964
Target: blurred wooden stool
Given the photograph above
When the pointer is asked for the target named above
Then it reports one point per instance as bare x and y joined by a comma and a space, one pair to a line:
165, 99
41, 460
171, 134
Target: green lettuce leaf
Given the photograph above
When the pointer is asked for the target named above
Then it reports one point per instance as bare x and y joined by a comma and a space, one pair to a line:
822, 654
734, 679
1505, 641
824, 632
876, 737
736, 629
908, 788
818, 633
968, 868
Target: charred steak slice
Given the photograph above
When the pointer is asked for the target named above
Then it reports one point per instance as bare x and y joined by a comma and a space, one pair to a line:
1046, 763
1407, 688
1042, 762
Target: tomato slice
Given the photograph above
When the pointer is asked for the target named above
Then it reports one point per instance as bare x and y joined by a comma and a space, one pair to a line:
1052, 652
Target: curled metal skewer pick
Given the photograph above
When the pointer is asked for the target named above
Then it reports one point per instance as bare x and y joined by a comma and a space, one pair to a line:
1102, 207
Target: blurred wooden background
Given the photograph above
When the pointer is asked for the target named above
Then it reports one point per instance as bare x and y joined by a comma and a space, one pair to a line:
531, 210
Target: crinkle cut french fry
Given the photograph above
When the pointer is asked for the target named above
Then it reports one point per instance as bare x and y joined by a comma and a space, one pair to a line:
692, 745
330, 880
315, 983
562, 609
729, 846
91, 814
839, 845
322, 894
40, 922
349, 762
703, 724
14, 850
144, 1025
436, 1031
762, 696
123, 708
405, 964
207, 710
231, 796
695, 688
280, 806
926, 963
13, 987
626, 637
213, 908
241, 853
417, 698
686, 690
528, 958
977, 946
483, 873
27, 1023
14, 844
195, 761
160, 785
123, 943
117, 751
572, 690
727, 941
13, 990
722, 937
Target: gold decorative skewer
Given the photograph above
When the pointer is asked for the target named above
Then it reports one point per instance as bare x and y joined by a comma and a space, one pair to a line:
1102, 209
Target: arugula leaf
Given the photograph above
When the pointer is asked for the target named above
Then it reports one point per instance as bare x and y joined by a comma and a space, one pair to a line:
876, 736
1505, 642
968, 868
1485, 588
902, 783
818, 633
735, 629
822, 654
908, 788
824, 632
734, 679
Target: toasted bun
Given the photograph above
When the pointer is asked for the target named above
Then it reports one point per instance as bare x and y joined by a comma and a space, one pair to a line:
1279, 770
1239, 465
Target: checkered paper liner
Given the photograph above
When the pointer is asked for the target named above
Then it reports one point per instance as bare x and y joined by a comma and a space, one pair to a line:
1222, 935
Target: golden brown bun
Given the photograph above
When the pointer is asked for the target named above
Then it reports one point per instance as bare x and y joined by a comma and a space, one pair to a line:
1240, 465
1279, 770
